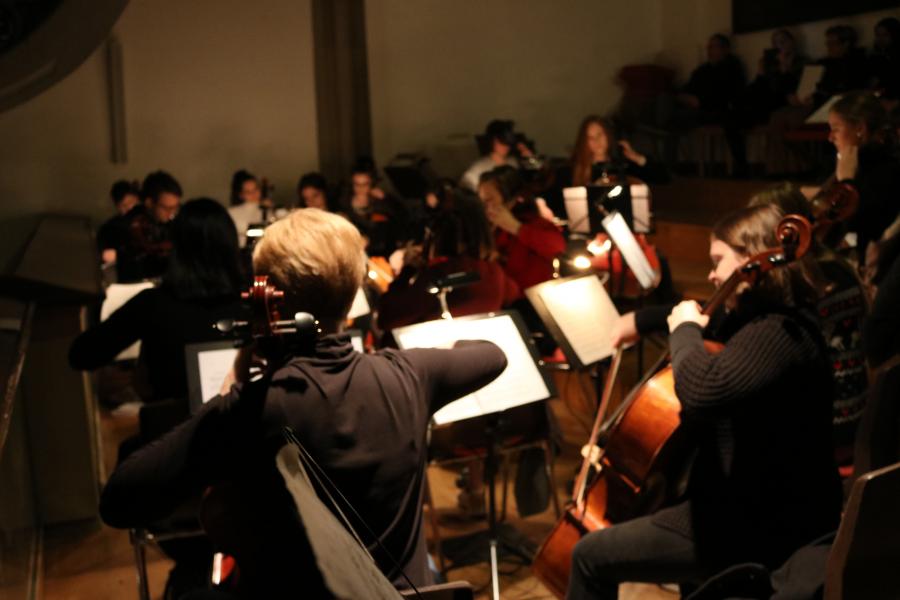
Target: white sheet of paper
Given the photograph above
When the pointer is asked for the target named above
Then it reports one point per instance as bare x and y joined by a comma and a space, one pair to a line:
821, 115
347, 569
575, 199
117, 294
360, 305
640, 207
615, 225
214, 366
576, 203
585, 313
357, 342
520, 383
809, 79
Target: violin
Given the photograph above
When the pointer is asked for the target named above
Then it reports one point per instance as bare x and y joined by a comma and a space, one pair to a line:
642, 463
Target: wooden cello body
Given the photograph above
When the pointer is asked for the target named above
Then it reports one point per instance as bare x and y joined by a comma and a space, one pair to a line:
644, 460
639, 471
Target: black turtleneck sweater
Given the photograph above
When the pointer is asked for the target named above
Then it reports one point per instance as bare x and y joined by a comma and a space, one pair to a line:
362, 417
759, 412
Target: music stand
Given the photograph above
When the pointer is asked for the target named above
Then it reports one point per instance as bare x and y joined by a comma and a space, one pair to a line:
521, 383
579, 314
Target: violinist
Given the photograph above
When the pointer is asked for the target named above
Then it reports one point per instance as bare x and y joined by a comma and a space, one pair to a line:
600, 155
247, 203
113, 234
381, 218
867, 160
460, 242
526, 242
362, 417
145, 255
202, 284
312, 192
764, 481
503, 146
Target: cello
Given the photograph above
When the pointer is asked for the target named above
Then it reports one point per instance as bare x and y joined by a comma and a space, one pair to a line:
642, 462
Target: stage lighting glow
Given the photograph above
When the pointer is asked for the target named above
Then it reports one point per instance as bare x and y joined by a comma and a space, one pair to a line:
581, 262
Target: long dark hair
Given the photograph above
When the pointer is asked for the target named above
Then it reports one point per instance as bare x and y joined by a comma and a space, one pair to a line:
237, 185
461, 228
864, 108
205, 259
582, 158
751, 230
512, 189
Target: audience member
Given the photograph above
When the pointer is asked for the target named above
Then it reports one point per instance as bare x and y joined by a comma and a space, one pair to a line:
146, 253
113, 233
845, 67
780, 68
884, 62
713, 87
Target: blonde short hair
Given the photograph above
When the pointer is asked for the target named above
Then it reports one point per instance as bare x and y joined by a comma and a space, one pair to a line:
317, 258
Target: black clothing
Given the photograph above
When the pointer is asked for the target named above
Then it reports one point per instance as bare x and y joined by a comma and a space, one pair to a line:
716, 85
884, 68
113, 233
385, 223
164, 325
877, 181
881, 332
362, 417
845, 74
145, 253
764, 481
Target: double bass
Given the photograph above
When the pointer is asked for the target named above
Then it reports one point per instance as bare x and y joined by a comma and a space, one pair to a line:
642, 463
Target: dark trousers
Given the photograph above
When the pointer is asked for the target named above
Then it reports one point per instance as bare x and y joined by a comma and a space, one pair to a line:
639, 550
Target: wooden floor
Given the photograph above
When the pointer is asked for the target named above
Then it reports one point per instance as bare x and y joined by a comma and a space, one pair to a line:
93, 562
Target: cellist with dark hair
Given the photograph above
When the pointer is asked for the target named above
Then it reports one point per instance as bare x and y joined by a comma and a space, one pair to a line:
764, 481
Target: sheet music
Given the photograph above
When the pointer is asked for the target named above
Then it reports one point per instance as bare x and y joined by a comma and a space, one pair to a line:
214, 366
576, 202
520, 383
346, 568
640, 207
617, 228
117, 294
809, 79
821, 115
356, 340
585, 314
360, 305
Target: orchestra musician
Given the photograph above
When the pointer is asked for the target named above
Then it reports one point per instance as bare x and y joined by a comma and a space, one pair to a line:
247, 203
460, 242
112, 235
362, 417
146, 253
503, 146
201, 285
526, 242
764, 481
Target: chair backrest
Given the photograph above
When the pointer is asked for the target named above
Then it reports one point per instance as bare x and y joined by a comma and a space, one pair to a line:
878, 436
455, 590
865, 556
